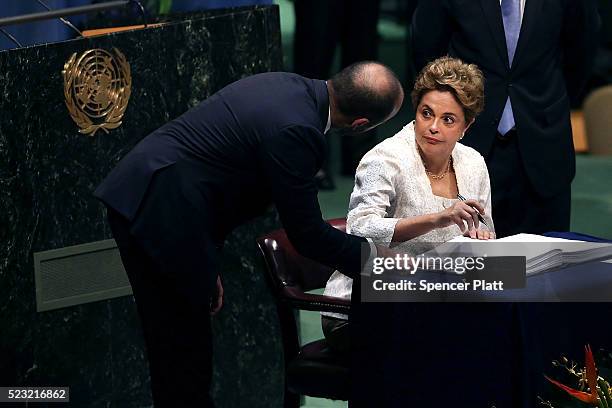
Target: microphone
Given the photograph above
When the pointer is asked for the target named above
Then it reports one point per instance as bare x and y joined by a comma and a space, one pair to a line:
62, 19
10, 37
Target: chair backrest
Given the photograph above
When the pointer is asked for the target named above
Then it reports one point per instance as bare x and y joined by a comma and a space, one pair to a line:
598, 120
287, 268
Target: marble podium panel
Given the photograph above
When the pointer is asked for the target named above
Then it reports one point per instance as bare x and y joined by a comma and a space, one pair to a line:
48, 171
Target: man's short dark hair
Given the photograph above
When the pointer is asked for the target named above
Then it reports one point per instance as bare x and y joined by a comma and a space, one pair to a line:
366, 89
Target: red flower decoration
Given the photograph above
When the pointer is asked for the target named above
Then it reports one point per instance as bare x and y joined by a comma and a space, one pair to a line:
581, 395
591, 377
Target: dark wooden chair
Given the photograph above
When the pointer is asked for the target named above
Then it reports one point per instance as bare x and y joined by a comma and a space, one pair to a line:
311, 369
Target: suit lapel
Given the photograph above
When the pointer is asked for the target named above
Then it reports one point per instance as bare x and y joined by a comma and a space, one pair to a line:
492, 12
528, 27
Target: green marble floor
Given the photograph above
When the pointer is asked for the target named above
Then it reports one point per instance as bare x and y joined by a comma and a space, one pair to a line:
591, 190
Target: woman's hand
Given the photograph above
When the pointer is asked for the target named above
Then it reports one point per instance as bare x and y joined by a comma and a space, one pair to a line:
462, 213
482, 234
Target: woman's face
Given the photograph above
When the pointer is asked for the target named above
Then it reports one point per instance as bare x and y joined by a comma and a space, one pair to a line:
440, 122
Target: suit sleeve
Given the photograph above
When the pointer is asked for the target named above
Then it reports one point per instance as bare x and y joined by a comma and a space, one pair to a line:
579, 41
290, 161
431, 32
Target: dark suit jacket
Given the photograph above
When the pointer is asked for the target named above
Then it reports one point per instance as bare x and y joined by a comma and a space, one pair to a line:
555, 50
255, 142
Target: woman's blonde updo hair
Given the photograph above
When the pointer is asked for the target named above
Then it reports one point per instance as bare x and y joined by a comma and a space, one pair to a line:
464, 81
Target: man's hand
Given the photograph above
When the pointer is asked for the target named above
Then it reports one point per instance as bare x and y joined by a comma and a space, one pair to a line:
217, 300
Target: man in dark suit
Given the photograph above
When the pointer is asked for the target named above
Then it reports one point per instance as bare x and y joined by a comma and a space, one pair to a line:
172, 200
535, 55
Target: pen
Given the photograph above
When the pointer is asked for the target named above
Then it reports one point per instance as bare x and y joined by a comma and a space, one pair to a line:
480, 217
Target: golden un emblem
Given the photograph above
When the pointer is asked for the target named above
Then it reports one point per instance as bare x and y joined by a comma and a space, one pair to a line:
97, 88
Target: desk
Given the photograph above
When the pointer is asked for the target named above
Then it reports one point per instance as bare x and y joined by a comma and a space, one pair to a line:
468, 354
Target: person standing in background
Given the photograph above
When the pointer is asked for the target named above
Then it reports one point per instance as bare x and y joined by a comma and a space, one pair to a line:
536, 56
320, 25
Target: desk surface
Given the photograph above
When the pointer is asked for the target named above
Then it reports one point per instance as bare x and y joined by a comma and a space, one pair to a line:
470, 354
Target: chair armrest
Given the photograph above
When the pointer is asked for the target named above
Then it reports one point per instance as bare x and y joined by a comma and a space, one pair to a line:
313, 302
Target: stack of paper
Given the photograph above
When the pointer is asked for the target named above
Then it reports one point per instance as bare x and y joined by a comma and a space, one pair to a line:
541, 253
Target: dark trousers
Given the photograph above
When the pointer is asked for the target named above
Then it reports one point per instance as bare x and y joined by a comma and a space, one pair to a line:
319, 27
517, 207
177, 331
337, 334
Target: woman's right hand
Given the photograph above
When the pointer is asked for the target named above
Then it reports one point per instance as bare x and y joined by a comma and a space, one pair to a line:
461, 213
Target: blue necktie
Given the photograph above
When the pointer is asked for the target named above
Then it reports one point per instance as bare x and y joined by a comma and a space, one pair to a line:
511, 14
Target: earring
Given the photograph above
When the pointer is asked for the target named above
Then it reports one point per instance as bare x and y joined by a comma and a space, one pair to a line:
462, 135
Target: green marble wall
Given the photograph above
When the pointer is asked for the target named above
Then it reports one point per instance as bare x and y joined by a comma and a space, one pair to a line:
47, 174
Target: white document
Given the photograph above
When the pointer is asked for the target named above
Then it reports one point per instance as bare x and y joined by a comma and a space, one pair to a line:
541, 253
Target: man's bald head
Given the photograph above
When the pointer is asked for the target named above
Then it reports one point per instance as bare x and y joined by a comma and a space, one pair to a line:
367, 90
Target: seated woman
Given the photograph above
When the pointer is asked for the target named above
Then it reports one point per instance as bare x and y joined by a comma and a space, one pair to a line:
406, 187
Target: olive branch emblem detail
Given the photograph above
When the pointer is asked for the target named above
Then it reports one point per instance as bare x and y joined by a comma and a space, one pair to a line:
97, 89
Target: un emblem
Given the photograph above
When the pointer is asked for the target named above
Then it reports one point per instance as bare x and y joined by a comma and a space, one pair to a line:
97, 88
